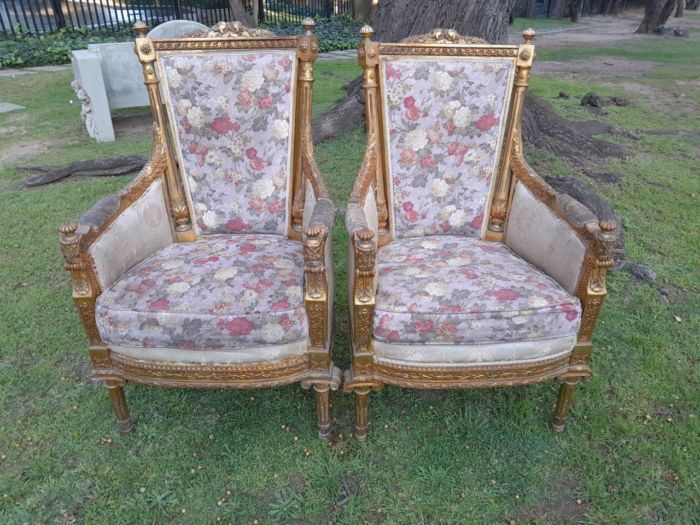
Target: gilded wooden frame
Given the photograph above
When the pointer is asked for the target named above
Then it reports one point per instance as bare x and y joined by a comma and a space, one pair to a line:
314, 369
366, 374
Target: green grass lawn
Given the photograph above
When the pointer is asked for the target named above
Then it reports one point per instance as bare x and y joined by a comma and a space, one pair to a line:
629, 454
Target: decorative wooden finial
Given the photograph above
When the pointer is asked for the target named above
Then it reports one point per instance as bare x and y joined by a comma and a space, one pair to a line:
308, 24
67, 229
529, 35
367, 33
140, 28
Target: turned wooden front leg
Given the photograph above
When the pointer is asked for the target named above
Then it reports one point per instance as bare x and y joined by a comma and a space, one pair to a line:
564, 399
116, 395
323, 412
361, 413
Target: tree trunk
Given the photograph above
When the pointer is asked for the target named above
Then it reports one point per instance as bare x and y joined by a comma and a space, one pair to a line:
488, 19
575, 9
656, 13
680, 6
240, 14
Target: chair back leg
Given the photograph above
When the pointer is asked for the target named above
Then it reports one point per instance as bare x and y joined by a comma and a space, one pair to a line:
323, 413
361, 412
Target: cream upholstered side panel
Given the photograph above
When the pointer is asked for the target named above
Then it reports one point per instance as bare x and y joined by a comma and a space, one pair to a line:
220, 356
141, 230
483, 354
543, 239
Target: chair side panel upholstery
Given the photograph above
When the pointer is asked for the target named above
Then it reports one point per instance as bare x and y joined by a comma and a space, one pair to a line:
445, 119
231, 115
141, 230
544, 240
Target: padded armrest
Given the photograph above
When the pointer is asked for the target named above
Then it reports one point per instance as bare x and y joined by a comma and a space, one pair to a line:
322, 215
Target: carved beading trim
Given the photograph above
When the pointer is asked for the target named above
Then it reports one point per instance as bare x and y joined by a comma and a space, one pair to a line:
472, 376
444, 36
162, 373
449, 51
199, 45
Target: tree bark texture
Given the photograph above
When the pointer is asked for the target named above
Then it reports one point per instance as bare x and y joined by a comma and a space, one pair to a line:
240, 14
488, 19
656, 14
680, 6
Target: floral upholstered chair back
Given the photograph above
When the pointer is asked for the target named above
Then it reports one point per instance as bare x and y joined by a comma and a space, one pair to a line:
229, 99
231, 117
445, 118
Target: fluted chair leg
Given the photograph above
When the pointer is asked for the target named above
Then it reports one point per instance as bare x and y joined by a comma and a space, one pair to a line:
323, 412
564, 400
361, 413
116, 395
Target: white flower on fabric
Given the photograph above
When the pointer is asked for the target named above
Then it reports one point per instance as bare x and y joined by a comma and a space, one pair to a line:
463, 117
447, 211
222, 102
293, 292
238, 145
225, 273
172, 264
416, 139
439, 188
429, 244
212, 158
442, 81
451, 108
210, 219
283, 264
459, 261
178, 288
458, 219
263, 188
537, 302
252, 80
209, 66
272, 333
435, 288
249, 297
174, 78
183, 107
280, 129
195, 117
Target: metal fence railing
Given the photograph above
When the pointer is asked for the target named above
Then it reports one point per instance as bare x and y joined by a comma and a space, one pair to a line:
37, 17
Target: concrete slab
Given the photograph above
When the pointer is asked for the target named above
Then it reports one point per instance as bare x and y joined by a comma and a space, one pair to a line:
6, 107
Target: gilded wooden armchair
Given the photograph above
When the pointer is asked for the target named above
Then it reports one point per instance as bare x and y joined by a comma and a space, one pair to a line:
466, 268
213, 268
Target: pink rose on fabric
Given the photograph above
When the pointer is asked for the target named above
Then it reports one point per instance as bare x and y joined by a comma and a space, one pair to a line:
486, 122
286, 322
409, 102
275, 207
505, 294
469, 273
411, 215
159, 304
450, 127
392, 72
250, 58
282, 304
447, 330
255, 162
266, 102
427, 162
424, 325
224, 125
257, 204
201, 261
185, 125
237, 225
477, 221
247, 248
408, 156
286, 63
236, 326
412, 111
245, 98
571, 313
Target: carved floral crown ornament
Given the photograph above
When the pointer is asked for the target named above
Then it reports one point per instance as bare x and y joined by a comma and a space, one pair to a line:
444, 36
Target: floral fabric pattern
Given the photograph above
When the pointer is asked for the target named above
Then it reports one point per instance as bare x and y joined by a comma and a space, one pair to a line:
445, 119
232, 114
224, 291
462, 290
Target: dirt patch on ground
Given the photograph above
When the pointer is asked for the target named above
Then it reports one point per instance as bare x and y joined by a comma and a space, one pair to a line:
596, 67
128, 125
560, 505
22, 150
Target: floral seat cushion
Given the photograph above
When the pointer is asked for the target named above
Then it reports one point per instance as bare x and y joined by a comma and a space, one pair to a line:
222, 292
462, 290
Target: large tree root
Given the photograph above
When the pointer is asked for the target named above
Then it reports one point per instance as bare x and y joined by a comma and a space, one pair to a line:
85, 168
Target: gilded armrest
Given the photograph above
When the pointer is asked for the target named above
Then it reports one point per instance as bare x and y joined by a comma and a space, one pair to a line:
116, 233
563, 238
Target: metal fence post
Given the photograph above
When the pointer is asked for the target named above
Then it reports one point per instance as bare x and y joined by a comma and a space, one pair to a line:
57, 7
329, 8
